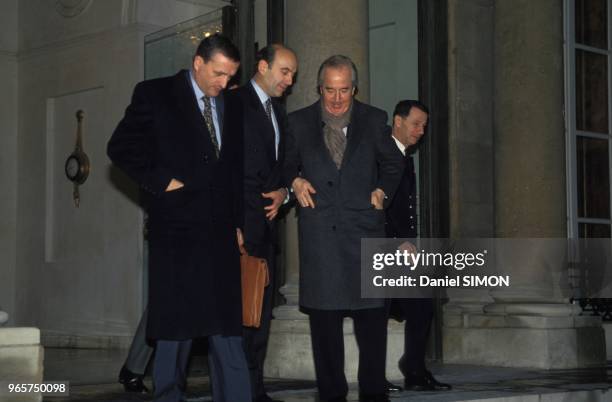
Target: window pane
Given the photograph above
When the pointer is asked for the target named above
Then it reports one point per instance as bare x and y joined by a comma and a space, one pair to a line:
594, 230
591, 92
593, 178
591, 23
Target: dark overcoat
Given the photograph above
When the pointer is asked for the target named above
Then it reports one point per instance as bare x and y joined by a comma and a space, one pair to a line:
330, 234
194, 272
262, 168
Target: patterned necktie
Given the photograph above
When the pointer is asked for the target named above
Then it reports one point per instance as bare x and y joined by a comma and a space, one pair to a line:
269, 109
335, 140
210, 124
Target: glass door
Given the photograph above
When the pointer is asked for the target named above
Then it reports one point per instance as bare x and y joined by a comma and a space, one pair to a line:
172, 48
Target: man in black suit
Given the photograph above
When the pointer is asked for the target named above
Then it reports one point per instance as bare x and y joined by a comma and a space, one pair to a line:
409, 122
342, 167
180, 142
265, 123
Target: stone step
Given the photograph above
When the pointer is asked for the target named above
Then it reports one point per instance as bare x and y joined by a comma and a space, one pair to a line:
21, 361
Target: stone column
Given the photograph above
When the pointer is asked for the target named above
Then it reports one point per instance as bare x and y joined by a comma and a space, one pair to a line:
470, 137
316, 29
530, 210
10, 157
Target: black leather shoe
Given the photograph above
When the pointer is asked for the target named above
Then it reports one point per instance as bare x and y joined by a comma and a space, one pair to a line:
437, 385
373, 398
393, 388
424, 381
265, 398
132, 382
417, 382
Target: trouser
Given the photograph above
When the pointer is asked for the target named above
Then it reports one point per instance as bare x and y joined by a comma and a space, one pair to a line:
140, 352
228, 369
256, 339
418, 315
328, 350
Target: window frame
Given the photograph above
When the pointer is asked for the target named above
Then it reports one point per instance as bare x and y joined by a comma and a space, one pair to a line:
572, 133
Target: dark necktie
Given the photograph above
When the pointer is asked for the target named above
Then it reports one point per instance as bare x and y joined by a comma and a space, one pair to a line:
269, 109
269, 114
409, 164
210, 124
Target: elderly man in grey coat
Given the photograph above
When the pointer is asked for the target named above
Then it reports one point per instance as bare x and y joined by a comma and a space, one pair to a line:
342, 169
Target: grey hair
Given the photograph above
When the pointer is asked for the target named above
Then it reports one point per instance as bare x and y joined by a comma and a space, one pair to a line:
338, 61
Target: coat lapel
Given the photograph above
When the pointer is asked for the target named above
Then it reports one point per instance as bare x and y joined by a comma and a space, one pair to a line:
354, 133
317, 127
220, 106
190, 114
264, 126
279, 112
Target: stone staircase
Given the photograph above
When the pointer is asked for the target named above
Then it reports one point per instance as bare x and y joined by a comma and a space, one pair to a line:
21, 360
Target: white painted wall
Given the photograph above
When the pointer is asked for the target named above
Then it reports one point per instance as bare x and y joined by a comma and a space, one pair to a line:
261, 22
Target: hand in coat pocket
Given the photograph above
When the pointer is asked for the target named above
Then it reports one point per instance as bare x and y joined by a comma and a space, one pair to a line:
377, 198
174, 185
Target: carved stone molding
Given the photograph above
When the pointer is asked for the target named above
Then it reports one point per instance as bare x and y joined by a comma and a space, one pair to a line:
71, 8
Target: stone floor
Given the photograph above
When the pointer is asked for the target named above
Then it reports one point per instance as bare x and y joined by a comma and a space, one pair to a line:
92, 375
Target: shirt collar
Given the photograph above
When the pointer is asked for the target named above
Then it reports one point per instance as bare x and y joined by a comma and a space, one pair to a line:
199, 94
263, 96
401, 146
196, 89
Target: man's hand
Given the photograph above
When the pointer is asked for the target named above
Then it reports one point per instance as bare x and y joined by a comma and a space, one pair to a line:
302, 190
408, 247
277, 197
377, 198
239, 237
174, 185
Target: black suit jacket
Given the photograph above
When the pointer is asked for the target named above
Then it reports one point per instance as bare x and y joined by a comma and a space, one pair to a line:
194, 272
401, 215
262, 169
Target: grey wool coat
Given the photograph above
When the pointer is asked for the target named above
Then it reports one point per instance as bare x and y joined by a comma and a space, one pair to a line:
330, 234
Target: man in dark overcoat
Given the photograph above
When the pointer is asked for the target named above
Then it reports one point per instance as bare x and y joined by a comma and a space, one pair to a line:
342, 168
177, 142
265, 125
409, 122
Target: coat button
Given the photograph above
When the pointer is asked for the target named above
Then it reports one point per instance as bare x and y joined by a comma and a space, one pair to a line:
205, 158
334, 227
330, 183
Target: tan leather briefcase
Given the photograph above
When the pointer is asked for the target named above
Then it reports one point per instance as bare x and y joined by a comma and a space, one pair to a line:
255, 277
